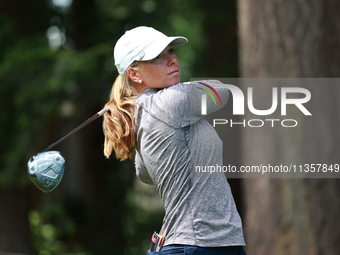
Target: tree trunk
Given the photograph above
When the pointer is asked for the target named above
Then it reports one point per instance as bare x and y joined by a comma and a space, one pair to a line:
25, 18
292, 39
14, 225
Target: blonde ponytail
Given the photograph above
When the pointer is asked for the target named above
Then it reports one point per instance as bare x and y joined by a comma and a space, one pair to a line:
118, 122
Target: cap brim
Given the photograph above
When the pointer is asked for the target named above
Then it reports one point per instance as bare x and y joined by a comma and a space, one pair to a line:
155, 48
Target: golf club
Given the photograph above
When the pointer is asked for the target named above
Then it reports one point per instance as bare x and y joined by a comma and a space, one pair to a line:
46, 169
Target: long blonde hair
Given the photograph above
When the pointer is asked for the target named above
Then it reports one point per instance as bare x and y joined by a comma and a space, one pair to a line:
118, 122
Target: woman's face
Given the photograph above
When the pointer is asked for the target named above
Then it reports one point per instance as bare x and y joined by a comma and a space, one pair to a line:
160, 72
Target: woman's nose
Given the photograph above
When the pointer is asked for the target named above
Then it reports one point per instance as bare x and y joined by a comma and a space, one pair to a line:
172, 59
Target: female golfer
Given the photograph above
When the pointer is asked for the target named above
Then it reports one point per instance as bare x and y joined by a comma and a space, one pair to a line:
157, 121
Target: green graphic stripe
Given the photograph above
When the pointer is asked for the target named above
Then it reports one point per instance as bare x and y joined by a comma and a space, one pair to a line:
208, 94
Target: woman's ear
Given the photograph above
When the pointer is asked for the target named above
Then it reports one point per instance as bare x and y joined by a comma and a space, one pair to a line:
133, 74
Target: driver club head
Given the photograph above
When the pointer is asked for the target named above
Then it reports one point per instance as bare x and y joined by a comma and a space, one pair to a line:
46, 170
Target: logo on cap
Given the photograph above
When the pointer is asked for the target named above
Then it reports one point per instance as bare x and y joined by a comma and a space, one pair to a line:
141, 55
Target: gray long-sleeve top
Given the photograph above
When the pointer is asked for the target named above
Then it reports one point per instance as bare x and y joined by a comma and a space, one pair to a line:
172, 140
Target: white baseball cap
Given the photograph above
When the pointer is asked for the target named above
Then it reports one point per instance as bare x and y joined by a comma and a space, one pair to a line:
142, 44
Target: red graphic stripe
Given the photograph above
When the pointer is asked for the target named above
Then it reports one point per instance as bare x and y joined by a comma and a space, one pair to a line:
213, 90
